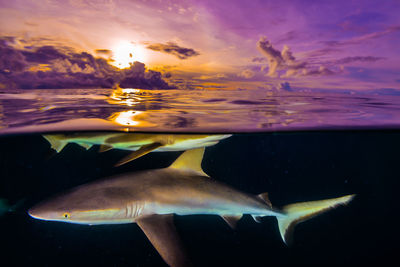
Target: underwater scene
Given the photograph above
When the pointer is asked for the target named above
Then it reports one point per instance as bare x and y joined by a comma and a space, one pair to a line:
199, 132
81, 196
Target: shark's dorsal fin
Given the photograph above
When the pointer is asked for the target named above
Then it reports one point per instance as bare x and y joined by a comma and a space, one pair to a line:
190, 160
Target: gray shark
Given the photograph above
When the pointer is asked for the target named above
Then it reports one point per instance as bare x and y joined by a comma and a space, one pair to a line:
151, 197
139, 143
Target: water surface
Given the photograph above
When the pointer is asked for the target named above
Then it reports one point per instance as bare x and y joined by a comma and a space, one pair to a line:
193, 110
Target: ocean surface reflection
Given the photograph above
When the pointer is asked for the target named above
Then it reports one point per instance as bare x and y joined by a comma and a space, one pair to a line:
192, 111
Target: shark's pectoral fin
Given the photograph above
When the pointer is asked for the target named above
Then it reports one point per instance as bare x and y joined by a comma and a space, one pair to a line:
55, 142
232, 220
104, 148
161, 232
143, 150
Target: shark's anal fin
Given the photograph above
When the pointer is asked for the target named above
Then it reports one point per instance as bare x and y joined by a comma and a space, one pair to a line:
190, 160
104, 148
232, 220
85, 146
138, 153
161, 232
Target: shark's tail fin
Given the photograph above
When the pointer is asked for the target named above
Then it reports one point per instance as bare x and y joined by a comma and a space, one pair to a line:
55, 142
299, 212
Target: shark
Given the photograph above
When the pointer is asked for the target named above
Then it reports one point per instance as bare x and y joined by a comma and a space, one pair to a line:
150, 198
139, 143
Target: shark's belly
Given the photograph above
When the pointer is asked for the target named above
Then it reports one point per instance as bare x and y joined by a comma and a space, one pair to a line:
192, 204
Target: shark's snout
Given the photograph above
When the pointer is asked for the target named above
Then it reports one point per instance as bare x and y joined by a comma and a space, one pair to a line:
33, 212
38, 212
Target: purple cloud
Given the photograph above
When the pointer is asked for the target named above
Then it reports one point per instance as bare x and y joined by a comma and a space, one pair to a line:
174, 49
273, 55
348, 60
247, 74
49, 67
285, 61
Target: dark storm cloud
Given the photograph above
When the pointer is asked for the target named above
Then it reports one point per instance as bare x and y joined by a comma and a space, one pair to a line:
43, 55
174, 49
49, 67
11, 60
104, 52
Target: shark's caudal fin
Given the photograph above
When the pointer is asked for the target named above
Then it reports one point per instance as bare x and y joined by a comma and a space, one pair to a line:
190, 160
299, 212
55, 143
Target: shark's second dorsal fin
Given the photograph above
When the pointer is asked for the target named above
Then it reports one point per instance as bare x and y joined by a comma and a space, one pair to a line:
190, 160
264, 197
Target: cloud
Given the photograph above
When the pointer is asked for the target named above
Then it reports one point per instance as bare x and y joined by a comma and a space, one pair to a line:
43, 54
50, 67
348, 60
103, 52
259, 59
285, 86
273, 55
247, 74
173, 49
336, 46
284, 61
364, 38
11, 60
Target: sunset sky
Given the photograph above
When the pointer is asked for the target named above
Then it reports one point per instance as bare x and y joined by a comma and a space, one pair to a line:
335, 45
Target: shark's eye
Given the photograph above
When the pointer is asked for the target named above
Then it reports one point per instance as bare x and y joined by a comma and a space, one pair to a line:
66, 215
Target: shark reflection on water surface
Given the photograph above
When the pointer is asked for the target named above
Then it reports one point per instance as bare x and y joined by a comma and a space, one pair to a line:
151, 197
140, 143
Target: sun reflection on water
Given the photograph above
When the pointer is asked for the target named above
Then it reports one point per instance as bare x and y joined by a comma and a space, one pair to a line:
130, 118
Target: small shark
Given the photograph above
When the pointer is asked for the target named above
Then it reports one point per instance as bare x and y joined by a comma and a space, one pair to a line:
140, 143
151, 197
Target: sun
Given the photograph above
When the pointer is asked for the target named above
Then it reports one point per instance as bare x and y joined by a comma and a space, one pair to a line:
125, 53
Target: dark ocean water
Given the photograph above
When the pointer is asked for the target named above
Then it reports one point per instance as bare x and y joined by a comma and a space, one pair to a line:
291, 166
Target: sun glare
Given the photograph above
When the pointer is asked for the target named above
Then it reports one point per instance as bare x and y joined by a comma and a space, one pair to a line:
125, 53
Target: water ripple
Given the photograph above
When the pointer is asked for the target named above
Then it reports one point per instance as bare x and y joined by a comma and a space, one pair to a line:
192, 111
